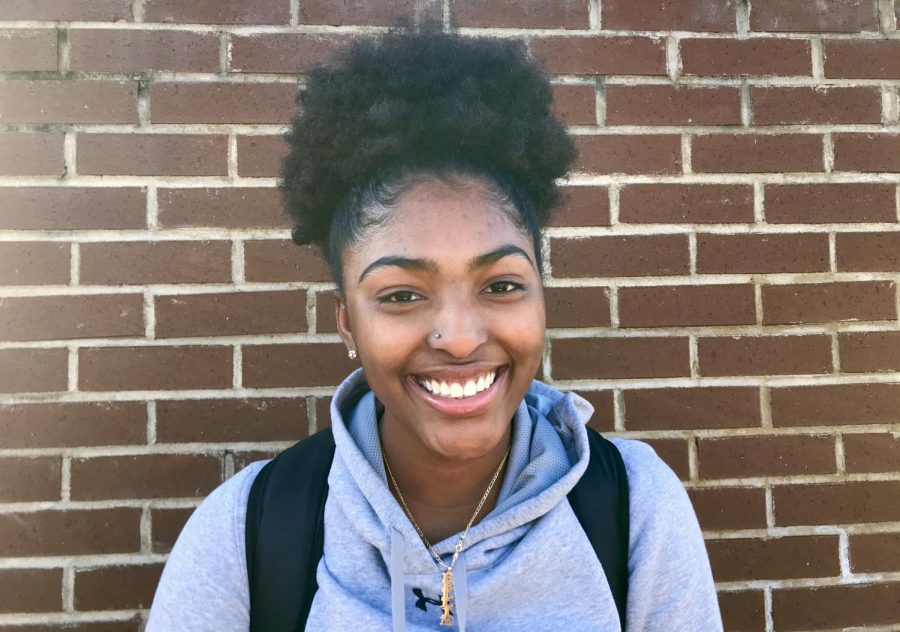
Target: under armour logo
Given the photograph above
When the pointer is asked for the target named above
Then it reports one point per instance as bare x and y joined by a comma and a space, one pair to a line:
421, 600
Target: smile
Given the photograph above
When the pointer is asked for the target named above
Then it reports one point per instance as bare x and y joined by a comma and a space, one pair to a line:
458, 389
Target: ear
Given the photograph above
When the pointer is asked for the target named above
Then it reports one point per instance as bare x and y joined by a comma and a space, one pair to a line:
342, 316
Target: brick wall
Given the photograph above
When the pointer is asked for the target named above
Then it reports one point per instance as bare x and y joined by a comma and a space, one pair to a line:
722, 282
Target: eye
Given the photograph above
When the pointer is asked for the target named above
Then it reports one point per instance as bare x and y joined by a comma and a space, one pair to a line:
504, 287
403, 296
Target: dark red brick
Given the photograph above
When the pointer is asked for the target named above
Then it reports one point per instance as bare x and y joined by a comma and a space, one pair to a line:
743, 611
828, 302
764, 355
745, 57
286, 53
781, 455
24, 479
825, 607
145, 476
284, 365
245, 103
241, 207
789, 106
70, 532
686, 306
231, 420
632, 255
605, 358
216, 12
154, 368
230, 314
66, 10
592, 55
30, 590
31, 153
242, 458
862, 59
28, 49
575, 104
133, 51
282, 260
260, 156
675, 454
72, 208
756, 153
583, 206
326, 318
871, 452
751, 559
70, 101
630, 154
374, 12
760, 254
33, 370
869, 153
837, 503
729, 508
692, 407
868, 252
832, 15
686, 203
870, 351
577, 306
116, 587
140, 263
34, 263
71, 317
831, 202
525, 14
836, 404
875, 553
151, 154
668, 105
678, 15
73, 424
604, 417
166, 525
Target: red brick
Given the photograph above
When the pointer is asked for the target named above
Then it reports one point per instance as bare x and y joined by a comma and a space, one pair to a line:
605, 358
672, 105
871, 452
71, 317
326, 319
231, 420
70, 101
745, 57
692, 407
222, 102
28, 50
591, 55
577, 306
65, 10
603, 419
828, 302
875, 553
869, 153
743, 611
260, 156
31, 153
831, 202
632, 255
283, 260
678, 15
30, 589
870, 351
373, 12
30, 479
862, 59
630, 154
33, 370
166, 524
217, 12
868, 252
34, 263
686, 306
116, 587
323, 412
230, 314
675, 453
685, 203
131, 51
575, 104
284, 365
73, 424
583, 206
287, 53
760, 254
729, 508
526, 14
837, 503
764, 355
72, 208
154, 368
70, 532
831, 15
786, 106
242, 207
243, 459
836, 404
151, 155
749, 559
756, 153
780, 455
836, 607
141, 263
145, 476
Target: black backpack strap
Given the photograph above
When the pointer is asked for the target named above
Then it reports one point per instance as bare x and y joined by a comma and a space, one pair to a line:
285, 533
600, 501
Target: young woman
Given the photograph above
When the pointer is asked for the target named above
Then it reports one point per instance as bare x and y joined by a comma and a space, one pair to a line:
424, 164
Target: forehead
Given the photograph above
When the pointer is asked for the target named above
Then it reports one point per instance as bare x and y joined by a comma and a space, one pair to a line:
440, 221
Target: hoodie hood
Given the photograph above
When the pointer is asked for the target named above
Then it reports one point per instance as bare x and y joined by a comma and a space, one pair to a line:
548, 455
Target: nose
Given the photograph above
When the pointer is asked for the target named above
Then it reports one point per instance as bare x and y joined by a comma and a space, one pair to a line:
461, 328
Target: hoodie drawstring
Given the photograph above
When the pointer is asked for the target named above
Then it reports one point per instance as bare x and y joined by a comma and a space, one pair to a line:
460, 592
398, 581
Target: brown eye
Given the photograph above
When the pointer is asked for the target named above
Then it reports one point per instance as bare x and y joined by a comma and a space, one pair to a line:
400, 297
503, 287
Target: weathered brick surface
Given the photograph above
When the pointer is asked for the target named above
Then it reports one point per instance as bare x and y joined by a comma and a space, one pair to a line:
681, 15
577, 307
210, 421
868, 252
685, 203
629, 154
871, 153
30, 590
73, 424
137, 262
764, 355
875, 552
244, 207
717, 254
745, 457
54, 101
221, 102
575, 104
674, 452
34, 263
786, 106
836, 404
738, 559
620, 256
116, 587
833, 15
754, 57
720, 508
130, 51
154, 368
33, 370
151, 155
283, 365
837, 503
683, 408
665, 105
602, 55
145, 476
260, 156
583, 206
28, 49
215, 12
166, 525
743, 611
756, 153
827, 302
66, 317
31, 154
99, 10
862, 60
220, 314
288, 53
570, 14
872, 351
72, 208
377, 12
575, 358
70, 532
843, 606
824, 203
682, 306
25, 479
871, 452
282, 260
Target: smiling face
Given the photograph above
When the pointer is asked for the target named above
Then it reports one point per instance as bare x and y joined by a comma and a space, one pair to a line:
449, 262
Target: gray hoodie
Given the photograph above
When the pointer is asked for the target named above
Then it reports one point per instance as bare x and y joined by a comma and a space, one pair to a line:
528, 565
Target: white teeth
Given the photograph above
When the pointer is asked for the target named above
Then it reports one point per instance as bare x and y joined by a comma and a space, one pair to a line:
445, 389
480, 385
457, 390
469, 389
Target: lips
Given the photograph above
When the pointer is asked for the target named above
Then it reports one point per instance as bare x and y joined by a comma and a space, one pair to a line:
486, 384
458, 389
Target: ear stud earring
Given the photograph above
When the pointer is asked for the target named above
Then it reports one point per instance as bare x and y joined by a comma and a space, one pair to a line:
351, 353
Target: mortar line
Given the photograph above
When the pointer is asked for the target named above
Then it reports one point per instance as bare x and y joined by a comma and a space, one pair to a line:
74, 263
832, 252
238, 273
828, 152
146, 529
70, 155
237, 368
686, 154
65, 476
817, 57
619, 411
887, 17
694, 356
600, 101
72, 369
765, 407
137, 11
224, 53
68, 587
295, 12
312, 413
742, 19
693, 457
767, 608
614, 191
770, 508
149, 315
63, 51
844, 553
835, 357
614, 316
312, 300
840, 455
673, 59
594, 16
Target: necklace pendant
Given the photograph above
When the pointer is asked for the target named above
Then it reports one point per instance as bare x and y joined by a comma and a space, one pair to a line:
446, 590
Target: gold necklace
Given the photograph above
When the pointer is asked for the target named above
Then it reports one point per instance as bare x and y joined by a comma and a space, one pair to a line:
447, 575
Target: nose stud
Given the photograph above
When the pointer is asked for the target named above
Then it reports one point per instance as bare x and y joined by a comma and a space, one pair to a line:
437, 335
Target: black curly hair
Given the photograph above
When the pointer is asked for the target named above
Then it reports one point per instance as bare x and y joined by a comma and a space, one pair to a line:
416, 103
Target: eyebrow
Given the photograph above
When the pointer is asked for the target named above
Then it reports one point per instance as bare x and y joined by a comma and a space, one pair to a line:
429, 266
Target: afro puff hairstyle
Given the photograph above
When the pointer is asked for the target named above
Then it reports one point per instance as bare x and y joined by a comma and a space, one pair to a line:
418, 102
